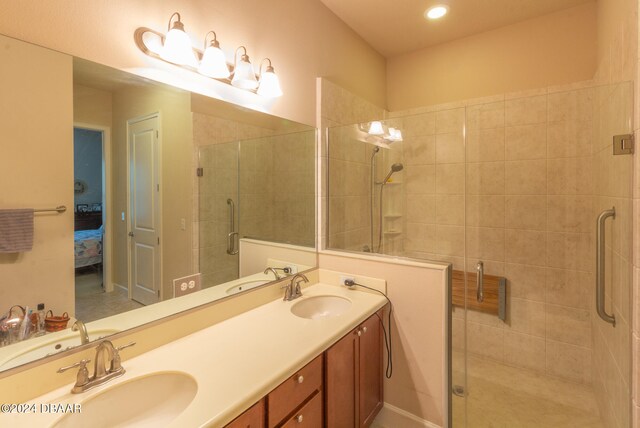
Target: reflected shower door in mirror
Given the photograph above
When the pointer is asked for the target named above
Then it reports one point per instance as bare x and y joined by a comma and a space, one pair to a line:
148, 213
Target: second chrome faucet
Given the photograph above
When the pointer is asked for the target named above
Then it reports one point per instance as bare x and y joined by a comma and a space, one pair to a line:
293, 287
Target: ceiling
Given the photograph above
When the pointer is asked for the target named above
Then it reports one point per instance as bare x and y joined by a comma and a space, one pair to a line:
394, 27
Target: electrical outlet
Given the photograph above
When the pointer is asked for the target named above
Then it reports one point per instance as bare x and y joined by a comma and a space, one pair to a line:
122, 215
293, 269
186, 285
345, 278
183, 224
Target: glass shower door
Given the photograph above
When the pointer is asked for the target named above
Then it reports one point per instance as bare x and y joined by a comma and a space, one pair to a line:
529, 347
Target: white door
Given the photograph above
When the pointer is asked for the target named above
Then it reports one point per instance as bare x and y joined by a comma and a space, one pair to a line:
144, 209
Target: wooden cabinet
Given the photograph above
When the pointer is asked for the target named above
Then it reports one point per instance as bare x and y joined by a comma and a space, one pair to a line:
252, 418
353, 380
292, 395
341, 388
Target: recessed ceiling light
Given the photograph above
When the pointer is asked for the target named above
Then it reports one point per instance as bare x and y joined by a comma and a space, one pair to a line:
436, 12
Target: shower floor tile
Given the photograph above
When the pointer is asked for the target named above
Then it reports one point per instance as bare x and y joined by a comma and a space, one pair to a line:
500, 396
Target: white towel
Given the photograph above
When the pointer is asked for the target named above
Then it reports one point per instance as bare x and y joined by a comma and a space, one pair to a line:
16, 230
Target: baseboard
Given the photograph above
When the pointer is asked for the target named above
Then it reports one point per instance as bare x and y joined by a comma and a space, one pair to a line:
392, 416
115, 284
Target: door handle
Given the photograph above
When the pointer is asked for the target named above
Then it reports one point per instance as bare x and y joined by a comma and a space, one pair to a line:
131, 234
480, 282
600, 265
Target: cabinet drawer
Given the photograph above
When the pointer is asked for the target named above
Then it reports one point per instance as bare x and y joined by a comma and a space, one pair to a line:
252, 418
309, 416
292, 392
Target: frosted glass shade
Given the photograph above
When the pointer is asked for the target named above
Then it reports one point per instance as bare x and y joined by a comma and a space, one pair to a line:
177, 49
395, 134
375, 128
269, 85
214, 63
243, 76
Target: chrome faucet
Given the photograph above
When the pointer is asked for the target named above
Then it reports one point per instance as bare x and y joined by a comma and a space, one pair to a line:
101, 372
84, 335
293, 288
270, 269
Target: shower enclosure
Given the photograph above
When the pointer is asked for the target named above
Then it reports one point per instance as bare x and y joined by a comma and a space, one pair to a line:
509, 192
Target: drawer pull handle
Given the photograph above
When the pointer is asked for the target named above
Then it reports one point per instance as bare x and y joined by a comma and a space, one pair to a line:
364, 329
300, 379
359, 332
299, 418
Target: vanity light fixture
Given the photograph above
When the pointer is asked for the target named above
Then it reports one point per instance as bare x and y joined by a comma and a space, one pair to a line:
214, 63
269, 82
436, 12
175, 47
243, 75
378, 133
375, 128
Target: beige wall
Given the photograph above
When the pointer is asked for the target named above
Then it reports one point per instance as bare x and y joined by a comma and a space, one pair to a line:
102, 31
92, 106
36, 170
550, 50
176, 176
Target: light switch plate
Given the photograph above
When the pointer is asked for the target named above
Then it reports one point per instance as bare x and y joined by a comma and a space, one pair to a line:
186, 285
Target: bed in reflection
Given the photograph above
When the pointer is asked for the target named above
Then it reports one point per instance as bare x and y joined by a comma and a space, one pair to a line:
88, 247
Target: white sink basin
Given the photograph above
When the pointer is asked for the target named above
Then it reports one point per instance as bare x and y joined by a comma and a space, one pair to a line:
245, 286
148, 401
42, 347
319, 307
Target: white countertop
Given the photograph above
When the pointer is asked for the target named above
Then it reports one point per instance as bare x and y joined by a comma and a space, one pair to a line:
235, 362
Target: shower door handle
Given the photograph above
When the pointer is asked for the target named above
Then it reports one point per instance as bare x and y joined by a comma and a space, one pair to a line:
480, 282
600, 250
231, 241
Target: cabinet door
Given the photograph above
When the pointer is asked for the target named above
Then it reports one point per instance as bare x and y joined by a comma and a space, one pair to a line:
252, 418
340, 382
370, 370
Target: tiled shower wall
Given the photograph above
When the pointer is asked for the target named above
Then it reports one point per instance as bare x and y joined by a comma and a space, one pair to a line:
270, 179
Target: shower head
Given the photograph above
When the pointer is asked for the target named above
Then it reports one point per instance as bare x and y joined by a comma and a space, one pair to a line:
394, 168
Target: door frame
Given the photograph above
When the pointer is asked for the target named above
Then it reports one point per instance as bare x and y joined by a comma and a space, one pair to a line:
107, 200
128, 212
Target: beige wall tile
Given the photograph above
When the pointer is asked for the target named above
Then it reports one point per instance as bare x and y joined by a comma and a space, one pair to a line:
450, 209
526, 281
569, 251
571, 176
421, 124
569, 288
485, 243
485, 341
526, 177
450, 240
569, 139
568, 361
485, 116
526, 247
448, 121
525, 111
450, 179
526, 316
450, 148
525, 142
523, 350
421, 237
485, 178
526, 212
421, 208
484, 145
569, 213
420, 150
571, 105
485, 210
568, 325
419, 179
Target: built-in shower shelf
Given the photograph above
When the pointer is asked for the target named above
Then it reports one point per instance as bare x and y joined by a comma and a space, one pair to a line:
392, 215
392, 183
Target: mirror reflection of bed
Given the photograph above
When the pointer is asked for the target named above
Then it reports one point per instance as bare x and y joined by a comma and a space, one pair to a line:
92, 302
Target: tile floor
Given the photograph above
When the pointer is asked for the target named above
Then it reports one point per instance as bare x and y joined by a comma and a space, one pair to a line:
500, 396
93, 303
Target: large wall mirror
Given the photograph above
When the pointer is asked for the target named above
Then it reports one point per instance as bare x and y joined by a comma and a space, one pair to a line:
172, 199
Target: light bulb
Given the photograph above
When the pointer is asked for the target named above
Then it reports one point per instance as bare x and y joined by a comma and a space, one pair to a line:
177, 47
436, 12
243, 75
269, 84
214, 63
375, 128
